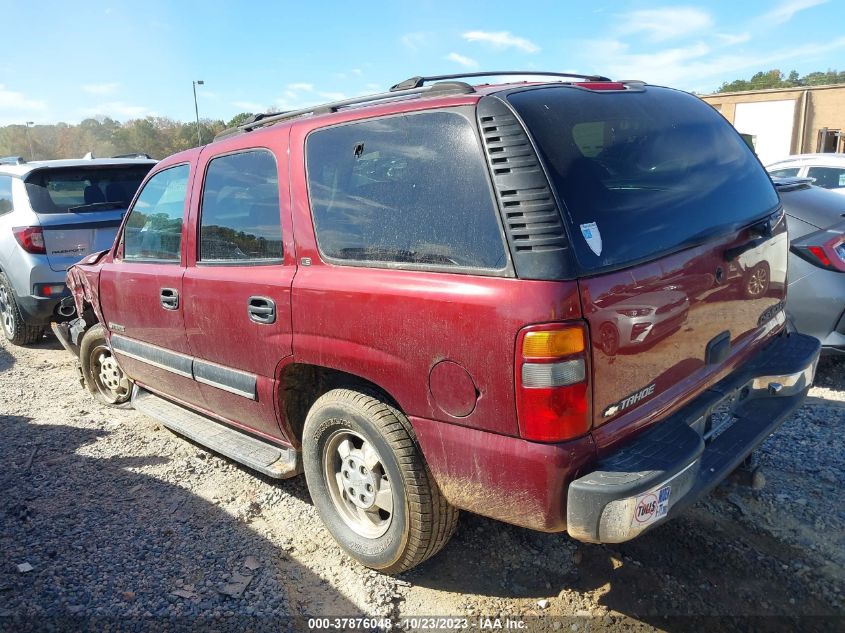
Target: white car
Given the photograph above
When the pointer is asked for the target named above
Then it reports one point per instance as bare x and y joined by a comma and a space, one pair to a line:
826, 170
53, 213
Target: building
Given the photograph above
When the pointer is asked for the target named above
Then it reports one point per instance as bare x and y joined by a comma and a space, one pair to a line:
784, 121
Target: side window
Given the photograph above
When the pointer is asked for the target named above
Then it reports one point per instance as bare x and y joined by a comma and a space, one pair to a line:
240, 209
788, 172
409, 189
5, 194
153, 231
827, 177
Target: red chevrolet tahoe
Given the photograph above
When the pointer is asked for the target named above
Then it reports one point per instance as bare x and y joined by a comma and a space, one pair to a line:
557, 304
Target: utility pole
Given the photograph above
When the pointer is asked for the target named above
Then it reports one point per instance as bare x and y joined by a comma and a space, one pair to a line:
29, 140
197, 82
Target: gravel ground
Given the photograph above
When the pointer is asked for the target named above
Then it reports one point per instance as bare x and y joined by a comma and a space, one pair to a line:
110, 521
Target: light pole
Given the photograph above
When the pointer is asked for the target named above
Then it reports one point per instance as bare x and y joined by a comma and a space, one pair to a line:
29, 140
197, 82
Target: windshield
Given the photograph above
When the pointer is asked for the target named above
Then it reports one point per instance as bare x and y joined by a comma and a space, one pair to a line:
642, 173
84, 188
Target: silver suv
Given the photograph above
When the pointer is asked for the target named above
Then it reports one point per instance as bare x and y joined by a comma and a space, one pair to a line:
53, 213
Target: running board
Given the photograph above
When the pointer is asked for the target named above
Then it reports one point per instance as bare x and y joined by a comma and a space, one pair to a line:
274, 461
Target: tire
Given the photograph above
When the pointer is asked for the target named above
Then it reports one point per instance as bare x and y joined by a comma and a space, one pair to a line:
15, 329
102, 375
609, 339
378, 441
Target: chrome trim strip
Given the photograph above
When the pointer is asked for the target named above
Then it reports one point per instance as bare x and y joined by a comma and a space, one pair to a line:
120, 352
234, 381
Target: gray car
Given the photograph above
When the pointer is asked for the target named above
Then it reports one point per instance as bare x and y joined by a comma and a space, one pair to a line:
53, 213
816, 296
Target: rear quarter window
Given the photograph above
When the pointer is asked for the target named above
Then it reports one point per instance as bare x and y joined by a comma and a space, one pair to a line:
406, 190
642, 173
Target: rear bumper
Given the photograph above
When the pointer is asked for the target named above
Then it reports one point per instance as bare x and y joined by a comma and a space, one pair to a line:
668, 467
38, 310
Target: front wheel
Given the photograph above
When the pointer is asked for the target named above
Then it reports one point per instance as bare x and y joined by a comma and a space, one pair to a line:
609, 339
370, 484
100, 371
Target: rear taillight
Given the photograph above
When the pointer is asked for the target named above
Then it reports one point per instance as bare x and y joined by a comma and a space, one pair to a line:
31, 239
552, 378
829, 254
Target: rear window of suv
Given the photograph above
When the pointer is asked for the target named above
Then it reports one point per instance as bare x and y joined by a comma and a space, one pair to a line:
83, 188
642, 173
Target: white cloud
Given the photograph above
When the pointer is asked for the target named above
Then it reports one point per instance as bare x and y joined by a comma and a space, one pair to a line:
501, 39
119, 109
414, 41
18, 102
466, 62
730, 39
664, 23
693, 66
787, 9
101, 89
300, 87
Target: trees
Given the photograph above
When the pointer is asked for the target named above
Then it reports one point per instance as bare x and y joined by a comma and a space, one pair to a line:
776, 79
156, 136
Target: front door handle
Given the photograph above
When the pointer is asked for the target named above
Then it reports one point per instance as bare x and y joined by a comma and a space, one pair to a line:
261, 310
169, 298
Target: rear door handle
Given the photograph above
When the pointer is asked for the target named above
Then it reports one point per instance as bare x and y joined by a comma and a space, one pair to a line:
169, 298
261, 310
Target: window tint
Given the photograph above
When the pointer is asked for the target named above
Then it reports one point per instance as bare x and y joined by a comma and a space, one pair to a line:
788, 172
240, 209
154, 228
63, 189
5, 194
411, 189
827, 177
642, 172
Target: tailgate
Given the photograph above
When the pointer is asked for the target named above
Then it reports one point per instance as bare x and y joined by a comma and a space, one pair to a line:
662, 332
679, 237
70, 236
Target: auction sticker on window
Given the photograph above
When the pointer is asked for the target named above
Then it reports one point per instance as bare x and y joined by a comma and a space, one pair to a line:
651, 506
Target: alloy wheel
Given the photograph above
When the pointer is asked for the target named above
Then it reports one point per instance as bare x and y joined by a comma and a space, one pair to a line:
6, 312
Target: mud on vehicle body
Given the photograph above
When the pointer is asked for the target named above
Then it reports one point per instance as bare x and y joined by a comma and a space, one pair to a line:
410, 297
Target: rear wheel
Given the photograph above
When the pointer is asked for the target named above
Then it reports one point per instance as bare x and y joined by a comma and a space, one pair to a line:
100, 371
15, 329
370, 484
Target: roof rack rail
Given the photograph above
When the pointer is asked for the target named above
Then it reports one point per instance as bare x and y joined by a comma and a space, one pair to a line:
12, 160
260, 120
417, 82
133, 155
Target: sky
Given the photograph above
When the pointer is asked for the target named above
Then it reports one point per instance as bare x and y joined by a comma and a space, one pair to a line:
67, 61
